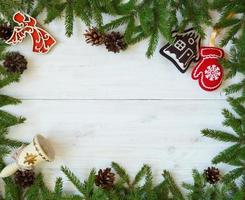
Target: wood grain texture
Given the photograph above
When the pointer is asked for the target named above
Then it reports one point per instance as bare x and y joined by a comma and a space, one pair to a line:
92, 133
97, 107
76, 70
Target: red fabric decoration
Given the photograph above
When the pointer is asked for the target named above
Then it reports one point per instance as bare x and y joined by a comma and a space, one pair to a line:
41, 39
208, 71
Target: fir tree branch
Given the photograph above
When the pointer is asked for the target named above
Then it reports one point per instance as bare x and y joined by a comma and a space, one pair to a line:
55, 11
116, 23
8, 8
7, 120
96, 12
10, 143
172, 186
234, 174
58, 190
220, 135
233, 122
7, 78
228, 154
69, 18
121, 172
76, 182
148, 186
89, 184
6, 100
152, 44
33, 192
235, 87
237, 106
82, 9
140, 175
12, 191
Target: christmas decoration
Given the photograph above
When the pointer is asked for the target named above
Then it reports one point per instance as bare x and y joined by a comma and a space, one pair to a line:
5, 31
15, 62
208, 71
30, 156
94, 36
41, 39
149, 19
184, 50
30, 159
212, 175
114, 42
24, 178
105, 178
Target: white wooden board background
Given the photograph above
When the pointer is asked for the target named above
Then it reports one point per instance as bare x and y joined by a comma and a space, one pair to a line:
97, 107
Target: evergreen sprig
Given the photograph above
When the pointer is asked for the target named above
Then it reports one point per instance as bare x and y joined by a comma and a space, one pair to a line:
12, 191
200, 189
156, 18
233, 155
123, 188
139, 20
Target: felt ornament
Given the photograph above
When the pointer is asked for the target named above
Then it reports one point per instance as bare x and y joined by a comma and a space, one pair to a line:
184, 50
41, 39
208, 71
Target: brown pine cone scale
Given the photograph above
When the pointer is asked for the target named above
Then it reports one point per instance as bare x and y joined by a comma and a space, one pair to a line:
5, 31
105, 179
212, 175
94, 36
24, 178
15, 62
114, 42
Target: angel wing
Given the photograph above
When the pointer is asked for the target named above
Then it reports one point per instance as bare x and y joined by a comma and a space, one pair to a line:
45, 41
18, 35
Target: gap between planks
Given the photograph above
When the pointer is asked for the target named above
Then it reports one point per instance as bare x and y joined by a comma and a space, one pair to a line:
128, 99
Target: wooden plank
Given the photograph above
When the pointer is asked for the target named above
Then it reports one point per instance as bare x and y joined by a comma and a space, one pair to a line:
89, 133
76, 70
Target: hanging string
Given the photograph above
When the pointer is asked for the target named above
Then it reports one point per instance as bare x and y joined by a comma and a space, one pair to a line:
216, 32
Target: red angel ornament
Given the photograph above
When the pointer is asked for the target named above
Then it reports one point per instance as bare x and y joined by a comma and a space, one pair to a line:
208, 71
41, 39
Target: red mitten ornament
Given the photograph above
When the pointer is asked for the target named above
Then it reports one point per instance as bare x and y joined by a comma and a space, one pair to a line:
208, 71
41, 39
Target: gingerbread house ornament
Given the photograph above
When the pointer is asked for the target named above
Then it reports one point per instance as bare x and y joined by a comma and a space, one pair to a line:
184, 50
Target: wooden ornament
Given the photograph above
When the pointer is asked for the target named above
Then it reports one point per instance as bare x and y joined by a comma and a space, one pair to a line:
184, 50
42, 41
29, 156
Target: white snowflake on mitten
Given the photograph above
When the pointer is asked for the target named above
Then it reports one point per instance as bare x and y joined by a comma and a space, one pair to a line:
208, 71
212, 72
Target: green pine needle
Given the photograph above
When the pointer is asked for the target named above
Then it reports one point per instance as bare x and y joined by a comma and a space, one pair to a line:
72, 177
152, 44
6, 100
220, 135
121, 172
7, 120
172, 186
140, 175
58, 190
69, 18
227, 155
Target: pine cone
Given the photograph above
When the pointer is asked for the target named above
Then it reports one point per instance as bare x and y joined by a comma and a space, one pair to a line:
5, 31
105, 179
15, 62
94, 37
24, 178
114, 42
212, 175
